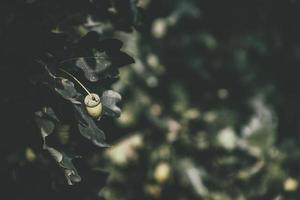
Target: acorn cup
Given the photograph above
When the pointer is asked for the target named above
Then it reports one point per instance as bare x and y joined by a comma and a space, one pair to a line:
93, 105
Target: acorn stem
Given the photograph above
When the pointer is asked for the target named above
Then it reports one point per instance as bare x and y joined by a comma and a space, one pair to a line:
76, 81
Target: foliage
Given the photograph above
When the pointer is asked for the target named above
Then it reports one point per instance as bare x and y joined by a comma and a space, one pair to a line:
209, 108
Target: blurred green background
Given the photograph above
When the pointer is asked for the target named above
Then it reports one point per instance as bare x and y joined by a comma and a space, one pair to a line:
211, 107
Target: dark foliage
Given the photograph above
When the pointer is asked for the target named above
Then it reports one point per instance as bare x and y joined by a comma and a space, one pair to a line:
40, 101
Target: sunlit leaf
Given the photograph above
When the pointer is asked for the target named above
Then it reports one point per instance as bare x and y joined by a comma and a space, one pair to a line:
109, 100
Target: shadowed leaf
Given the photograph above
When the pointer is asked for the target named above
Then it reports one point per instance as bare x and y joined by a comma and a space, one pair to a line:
98, 59
93, 66
68, 92
46, 121
70, 171
89, 129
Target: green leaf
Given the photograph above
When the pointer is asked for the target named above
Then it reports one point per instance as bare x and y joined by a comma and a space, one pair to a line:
109, 100
93, 67
68, 91
88, 128
70, 171
45, 120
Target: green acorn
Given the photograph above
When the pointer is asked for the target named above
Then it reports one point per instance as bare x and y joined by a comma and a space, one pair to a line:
93, 105
91, 101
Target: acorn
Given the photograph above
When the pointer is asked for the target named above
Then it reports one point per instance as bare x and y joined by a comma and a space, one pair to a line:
93, 105
92, 101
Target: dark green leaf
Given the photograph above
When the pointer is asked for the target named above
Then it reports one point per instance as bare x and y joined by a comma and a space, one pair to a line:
93, 67
68, 92
98, 59
70, 171
89, 129
46, 120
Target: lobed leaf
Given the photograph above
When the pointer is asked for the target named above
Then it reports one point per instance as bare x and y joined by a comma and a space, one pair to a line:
68, 92
88, 128
46, 120
109, 100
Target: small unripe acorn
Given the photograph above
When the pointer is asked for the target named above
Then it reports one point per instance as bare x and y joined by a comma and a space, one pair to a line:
93, 105
92, 101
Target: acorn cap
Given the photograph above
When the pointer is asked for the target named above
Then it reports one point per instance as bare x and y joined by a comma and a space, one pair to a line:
92, 100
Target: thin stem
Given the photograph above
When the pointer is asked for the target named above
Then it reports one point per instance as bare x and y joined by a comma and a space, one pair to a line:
76, 81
